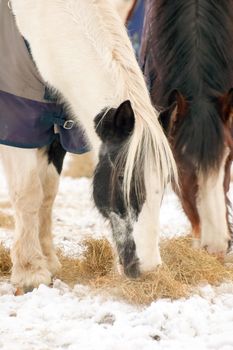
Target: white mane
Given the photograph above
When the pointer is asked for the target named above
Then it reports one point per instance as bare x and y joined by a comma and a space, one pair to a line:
123, 7
81, 48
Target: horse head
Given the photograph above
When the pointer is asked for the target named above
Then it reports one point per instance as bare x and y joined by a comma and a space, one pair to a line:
114, 127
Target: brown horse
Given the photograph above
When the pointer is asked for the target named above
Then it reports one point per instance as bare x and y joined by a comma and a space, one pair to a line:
187, 57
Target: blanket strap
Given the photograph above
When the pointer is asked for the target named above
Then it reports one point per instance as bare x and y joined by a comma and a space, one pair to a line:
53, 118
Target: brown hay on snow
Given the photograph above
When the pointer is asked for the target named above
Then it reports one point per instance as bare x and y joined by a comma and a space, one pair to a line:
143, 290
183, 269
192, 266
5, 261
97, 261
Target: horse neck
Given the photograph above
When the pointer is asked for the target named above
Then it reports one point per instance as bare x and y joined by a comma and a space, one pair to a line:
195, 47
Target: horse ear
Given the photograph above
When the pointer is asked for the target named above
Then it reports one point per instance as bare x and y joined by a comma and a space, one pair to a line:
165, 118
226, 102
115, 124
177, 106
124, 119
178, 99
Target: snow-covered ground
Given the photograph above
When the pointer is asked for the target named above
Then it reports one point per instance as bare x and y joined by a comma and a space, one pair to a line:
61, 318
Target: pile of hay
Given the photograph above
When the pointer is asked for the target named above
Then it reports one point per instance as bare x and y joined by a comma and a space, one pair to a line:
97, 261
192, 266
183, 269
97, 269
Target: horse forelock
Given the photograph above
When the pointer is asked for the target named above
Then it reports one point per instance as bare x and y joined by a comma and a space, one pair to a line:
194, 54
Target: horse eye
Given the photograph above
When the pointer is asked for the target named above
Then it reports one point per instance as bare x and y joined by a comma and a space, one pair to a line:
120, 177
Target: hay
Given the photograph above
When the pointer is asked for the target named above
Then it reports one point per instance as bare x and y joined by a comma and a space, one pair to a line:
98, 258
96, 268
183, 269
191, 266
5, 261
149, 287
97, 261
152, 286
6, 221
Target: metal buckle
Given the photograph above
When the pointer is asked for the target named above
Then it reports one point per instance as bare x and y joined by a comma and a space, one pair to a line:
68, 124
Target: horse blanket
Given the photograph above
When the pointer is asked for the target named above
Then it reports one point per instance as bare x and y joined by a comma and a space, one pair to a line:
29, 117
135, 24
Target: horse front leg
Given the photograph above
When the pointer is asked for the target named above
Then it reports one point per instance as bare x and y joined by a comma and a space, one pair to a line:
187, 194
188, 202
51, 166
29, 263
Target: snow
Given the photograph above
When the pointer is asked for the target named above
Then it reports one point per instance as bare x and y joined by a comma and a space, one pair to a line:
76, 319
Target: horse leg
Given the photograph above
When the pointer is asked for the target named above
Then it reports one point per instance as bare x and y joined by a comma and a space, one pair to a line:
50, 181
190, 209
212, 208
29, 263
188, 197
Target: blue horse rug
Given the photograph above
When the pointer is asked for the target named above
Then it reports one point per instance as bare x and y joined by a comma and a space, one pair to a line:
29, 117
135, 24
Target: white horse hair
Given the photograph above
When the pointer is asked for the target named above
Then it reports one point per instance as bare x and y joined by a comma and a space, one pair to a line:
123, 7
82, 50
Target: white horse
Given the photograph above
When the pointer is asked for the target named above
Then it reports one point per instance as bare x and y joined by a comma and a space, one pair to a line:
82, 50
123, 7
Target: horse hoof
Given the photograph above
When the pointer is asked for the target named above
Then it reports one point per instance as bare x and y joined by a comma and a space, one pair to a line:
22, 291
27, 280
229, 258
53, 264
196, 243
18, 292
216, 247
